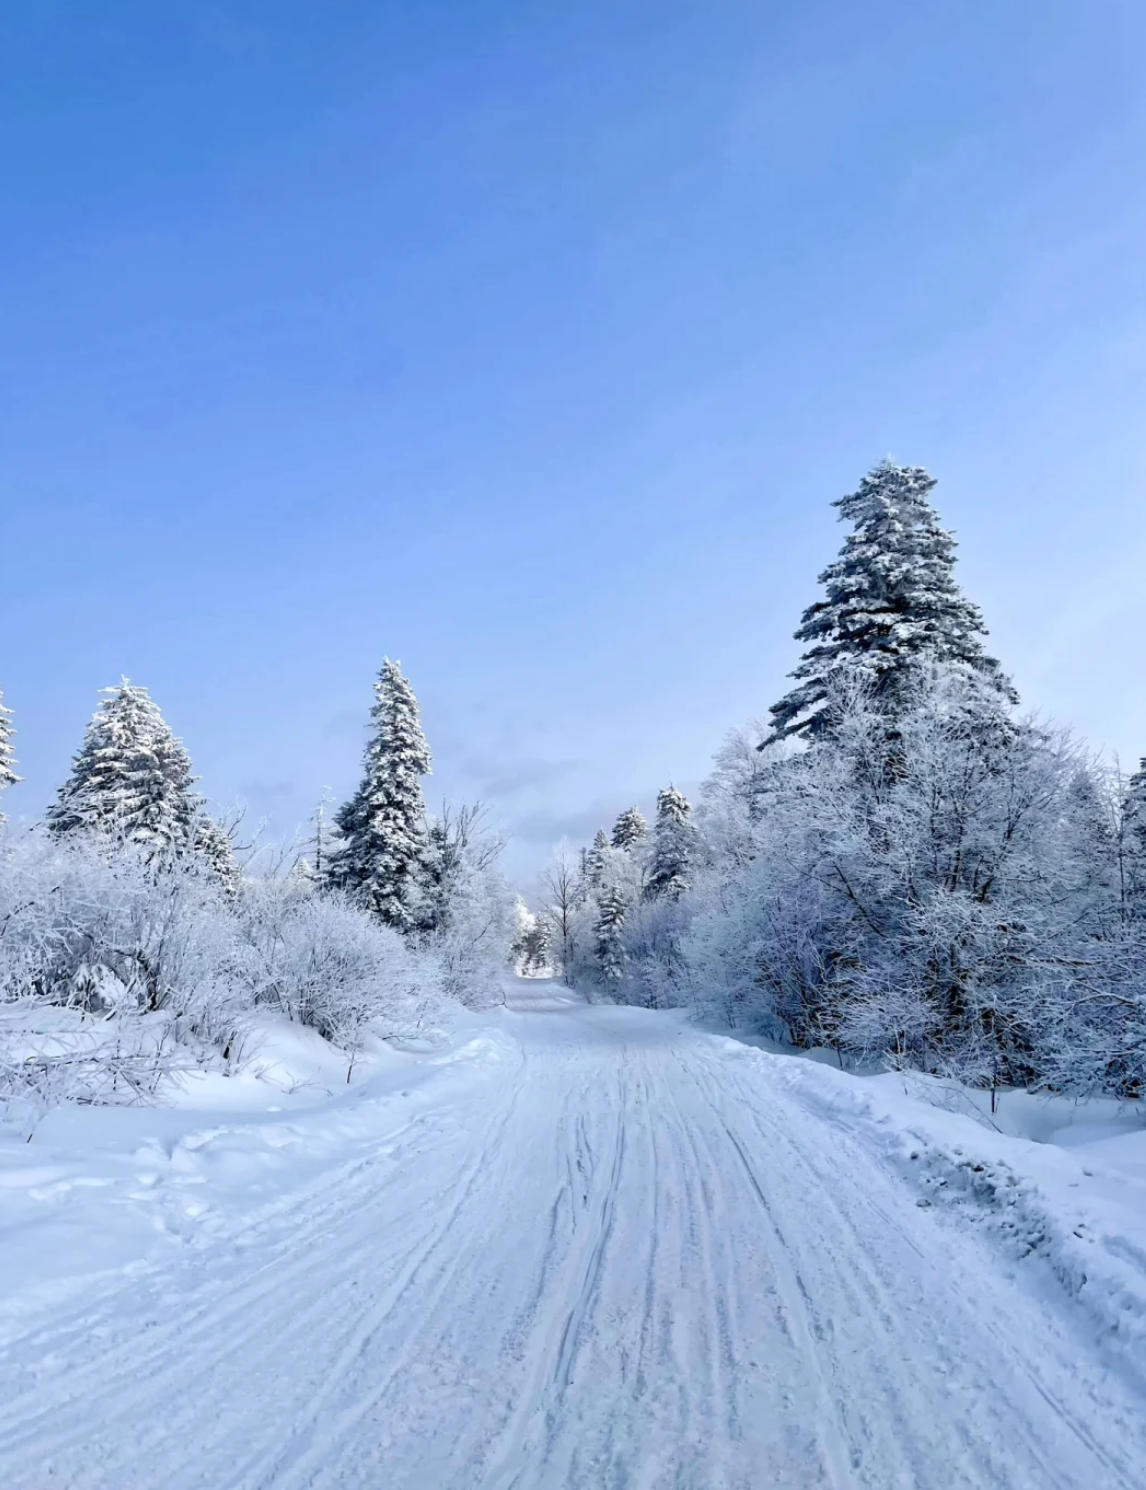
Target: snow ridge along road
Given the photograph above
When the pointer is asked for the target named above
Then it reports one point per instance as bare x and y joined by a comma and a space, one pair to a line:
604, 1251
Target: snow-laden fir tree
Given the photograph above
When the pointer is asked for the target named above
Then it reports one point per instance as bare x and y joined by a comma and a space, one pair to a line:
130, 778
595, 865
890, 600
383, 827
320, 845
673, 846
629, 829
212, 842
532, 945
8, 775
324, 840
1134, 842
609, 937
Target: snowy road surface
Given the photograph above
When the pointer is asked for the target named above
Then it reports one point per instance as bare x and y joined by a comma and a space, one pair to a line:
603, 1250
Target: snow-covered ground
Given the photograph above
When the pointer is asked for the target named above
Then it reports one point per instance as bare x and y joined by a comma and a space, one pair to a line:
574, 1247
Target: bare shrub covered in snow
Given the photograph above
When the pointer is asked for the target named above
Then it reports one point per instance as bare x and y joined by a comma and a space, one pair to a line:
322, 960
52, 1056
118, 969
467, 914
96, 926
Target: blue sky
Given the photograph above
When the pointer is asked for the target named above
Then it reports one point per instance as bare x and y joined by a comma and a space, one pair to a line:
529, 344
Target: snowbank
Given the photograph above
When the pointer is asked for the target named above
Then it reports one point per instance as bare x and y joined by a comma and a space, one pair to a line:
1057, 1183
101, 1189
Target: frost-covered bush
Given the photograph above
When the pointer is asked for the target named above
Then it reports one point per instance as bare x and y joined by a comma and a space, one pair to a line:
118, 968
467, 913
324, 961
113, 972
55, 1055
96, 927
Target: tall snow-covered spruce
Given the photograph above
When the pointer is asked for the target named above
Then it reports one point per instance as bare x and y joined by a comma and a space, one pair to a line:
673, 840
383, 828
8, 775
890, 601
130, 778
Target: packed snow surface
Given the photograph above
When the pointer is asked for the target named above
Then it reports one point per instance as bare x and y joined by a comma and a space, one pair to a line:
582, 1247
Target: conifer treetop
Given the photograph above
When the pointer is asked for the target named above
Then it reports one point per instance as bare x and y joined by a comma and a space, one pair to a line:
890, 599
131, 776
597, 859
629, 829
673, 846
8, 775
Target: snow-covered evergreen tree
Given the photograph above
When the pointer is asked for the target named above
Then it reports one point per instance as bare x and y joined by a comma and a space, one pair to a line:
212, 843
609, 952
537, 950
595, 866
629, 829
8, 775
383, 826
531, 946
1134, 842
890, 600
323, 843
673, 846
130, 778
459, 904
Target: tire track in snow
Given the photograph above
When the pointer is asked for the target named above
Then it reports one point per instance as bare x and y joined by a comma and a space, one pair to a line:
794, 1293
519, 1452
218, 1307
866, 1291
230, 1315
302, 1455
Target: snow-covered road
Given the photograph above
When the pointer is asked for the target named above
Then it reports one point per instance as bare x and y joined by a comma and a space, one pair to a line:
609, 1252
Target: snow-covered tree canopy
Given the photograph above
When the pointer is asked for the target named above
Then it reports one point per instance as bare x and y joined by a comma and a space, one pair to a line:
596, 864
673, 846
629, 829
8, 775
609, 942
461, 907
131, 777
890, 601
383, 827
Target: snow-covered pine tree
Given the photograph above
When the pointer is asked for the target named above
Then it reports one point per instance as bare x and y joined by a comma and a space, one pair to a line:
595, 865
609, 941
629, 829
673, 840
1133, 844
130, 778
457, 841
383, 826
8, 775
890, 600
532, 945
539, 942
323, 842
212, 843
